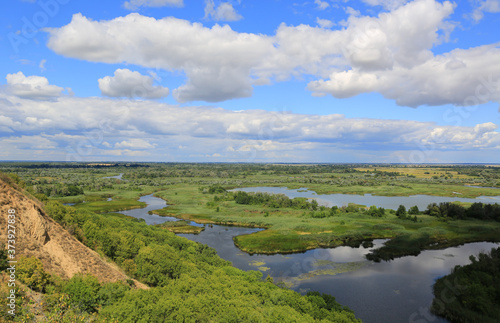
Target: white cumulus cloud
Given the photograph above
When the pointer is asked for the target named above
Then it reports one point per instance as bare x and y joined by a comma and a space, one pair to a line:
322, 5
126, 83
324, 23
32, 87
134, 143
387, 4
490, 6
223, 12
217, 61
461, 77
390, 54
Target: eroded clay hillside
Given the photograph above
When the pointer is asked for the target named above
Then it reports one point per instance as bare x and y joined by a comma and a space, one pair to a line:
37, 235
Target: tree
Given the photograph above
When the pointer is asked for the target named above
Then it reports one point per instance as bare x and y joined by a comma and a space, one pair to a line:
401, 212
414, 210
157, 264
433, 210
84, 292
377, 212
314, 205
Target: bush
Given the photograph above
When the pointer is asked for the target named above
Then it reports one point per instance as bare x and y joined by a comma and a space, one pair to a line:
30, 271
83, 292
414, 210
401, 212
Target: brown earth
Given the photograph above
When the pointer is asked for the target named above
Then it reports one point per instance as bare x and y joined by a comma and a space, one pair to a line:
37, 235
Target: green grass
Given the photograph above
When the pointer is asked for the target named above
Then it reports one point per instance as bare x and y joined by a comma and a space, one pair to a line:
385, 188
180, 227
291, 230
110, 206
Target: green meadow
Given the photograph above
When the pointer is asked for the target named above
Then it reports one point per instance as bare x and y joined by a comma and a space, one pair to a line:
291, 230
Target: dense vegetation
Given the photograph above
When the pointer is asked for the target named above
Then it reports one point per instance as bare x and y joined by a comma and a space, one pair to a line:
470, 293
188, 281
479, 211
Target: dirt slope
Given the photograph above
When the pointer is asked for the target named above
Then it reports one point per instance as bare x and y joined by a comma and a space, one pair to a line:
39, 236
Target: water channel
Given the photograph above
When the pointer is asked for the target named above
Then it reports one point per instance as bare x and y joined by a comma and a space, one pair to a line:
395, 291
119, 176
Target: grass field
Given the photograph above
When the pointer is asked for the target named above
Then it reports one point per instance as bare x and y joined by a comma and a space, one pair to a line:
290, 230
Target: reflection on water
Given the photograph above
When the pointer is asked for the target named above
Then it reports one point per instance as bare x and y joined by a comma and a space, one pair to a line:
153, 203
388, 202
395, 291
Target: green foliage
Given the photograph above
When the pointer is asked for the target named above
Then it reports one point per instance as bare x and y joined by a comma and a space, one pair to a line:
21, 309
376, 211
414, 210
274, 200
326, 301
61, 309
3, 258
112, 292
401, 212
16, 179
57, 190
157, 264
30, 271
83, 291
351, 208
477, 210
189, 281
402, 245
470, 293
216, 188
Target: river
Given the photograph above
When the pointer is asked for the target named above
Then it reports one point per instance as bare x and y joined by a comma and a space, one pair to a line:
395, 291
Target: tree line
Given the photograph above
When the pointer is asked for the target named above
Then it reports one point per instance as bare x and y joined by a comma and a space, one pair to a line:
478, 210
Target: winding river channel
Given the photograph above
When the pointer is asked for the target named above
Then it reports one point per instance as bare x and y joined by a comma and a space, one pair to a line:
395, 291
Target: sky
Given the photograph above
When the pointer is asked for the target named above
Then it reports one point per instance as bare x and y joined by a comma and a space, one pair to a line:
318, 81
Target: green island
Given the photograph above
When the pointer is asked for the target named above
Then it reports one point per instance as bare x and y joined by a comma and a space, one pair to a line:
470, 293
188, 282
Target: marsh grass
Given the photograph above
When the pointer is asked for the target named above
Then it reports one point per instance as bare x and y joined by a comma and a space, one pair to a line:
180, 227
291, 230
110, 206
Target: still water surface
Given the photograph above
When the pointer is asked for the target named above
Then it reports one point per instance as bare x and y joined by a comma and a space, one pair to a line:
116, 176
395, 291
388, 202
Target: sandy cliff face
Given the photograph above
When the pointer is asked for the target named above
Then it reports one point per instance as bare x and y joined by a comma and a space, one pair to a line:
39, 236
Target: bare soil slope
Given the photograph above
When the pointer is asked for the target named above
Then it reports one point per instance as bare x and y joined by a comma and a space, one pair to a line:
37, 235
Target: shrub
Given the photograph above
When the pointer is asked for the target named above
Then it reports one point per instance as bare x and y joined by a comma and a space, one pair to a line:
30, 271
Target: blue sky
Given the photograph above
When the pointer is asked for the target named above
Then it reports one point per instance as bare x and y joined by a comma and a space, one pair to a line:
250, 81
